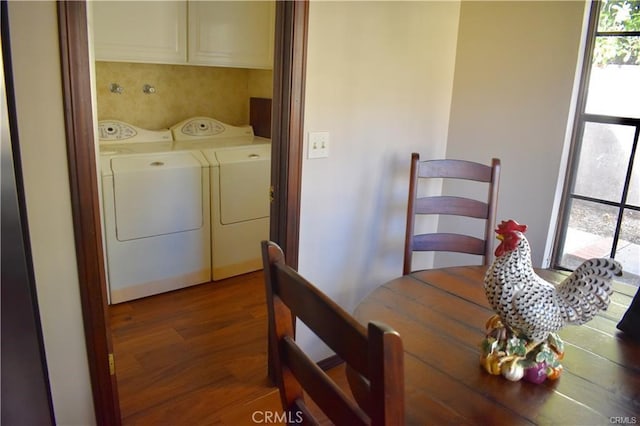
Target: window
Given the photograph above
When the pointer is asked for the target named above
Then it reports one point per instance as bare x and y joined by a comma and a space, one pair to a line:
601, 205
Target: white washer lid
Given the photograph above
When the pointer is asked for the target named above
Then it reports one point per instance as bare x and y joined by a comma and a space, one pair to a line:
153, 161
244, 154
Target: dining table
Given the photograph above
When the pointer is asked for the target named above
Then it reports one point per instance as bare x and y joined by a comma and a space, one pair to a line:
440, 315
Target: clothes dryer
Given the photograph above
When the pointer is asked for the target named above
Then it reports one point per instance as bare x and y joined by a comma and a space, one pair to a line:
240, 176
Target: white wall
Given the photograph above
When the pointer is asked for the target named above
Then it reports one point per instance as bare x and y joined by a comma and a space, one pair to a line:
379, 79
38, 89
514, 76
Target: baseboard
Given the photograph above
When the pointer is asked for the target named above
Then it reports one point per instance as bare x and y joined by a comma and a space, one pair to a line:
329, 363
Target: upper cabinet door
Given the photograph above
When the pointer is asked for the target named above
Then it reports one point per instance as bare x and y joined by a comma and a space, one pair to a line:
232, 33
140, 31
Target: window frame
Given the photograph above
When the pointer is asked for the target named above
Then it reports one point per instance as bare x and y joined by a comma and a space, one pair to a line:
580, 119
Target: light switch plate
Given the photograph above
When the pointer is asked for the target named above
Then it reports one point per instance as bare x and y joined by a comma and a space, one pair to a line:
318, 145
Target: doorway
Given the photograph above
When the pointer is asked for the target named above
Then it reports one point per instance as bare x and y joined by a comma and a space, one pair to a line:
287, 115
179, 165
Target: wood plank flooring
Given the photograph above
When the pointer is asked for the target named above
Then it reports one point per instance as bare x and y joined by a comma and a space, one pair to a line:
196, 356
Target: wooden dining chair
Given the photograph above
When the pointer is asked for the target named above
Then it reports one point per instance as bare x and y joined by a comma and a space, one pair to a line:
375, 353
451, 205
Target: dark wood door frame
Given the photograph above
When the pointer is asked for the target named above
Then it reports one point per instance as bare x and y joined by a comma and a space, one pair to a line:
287, 128
287, 124
83, 179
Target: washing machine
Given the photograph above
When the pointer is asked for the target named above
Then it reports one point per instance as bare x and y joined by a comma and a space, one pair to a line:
156, 213
240, 177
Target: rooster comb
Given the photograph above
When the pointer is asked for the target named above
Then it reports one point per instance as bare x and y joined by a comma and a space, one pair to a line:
510, 226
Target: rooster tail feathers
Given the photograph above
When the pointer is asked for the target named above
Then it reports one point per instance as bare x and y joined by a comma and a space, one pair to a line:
603, 267
595, 269
586, 291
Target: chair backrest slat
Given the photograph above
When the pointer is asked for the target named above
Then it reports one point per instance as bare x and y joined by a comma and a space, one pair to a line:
324, 316
324, 392
454, 169
448, 242
451, 205
458, 206
375, 355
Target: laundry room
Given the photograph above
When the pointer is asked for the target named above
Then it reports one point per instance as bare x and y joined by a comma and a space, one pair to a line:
183, 95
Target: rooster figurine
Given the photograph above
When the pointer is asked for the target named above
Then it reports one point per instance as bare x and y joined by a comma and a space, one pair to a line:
521, 339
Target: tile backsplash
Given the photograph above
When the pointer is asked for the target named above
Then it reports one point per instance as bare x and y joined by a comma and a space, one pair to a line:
181, 91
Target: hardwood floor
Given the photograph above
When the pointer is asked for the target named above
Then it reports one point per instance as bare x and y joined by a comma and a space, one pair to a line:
196, 356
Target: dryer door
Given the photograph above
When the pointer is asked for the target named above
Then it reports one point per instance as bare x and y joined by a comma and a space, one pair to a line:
244, 183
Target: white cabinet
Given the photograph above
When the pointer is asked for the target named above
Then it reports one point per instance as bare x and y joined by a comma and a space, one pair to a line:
231, 33
216, 33
140, 31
